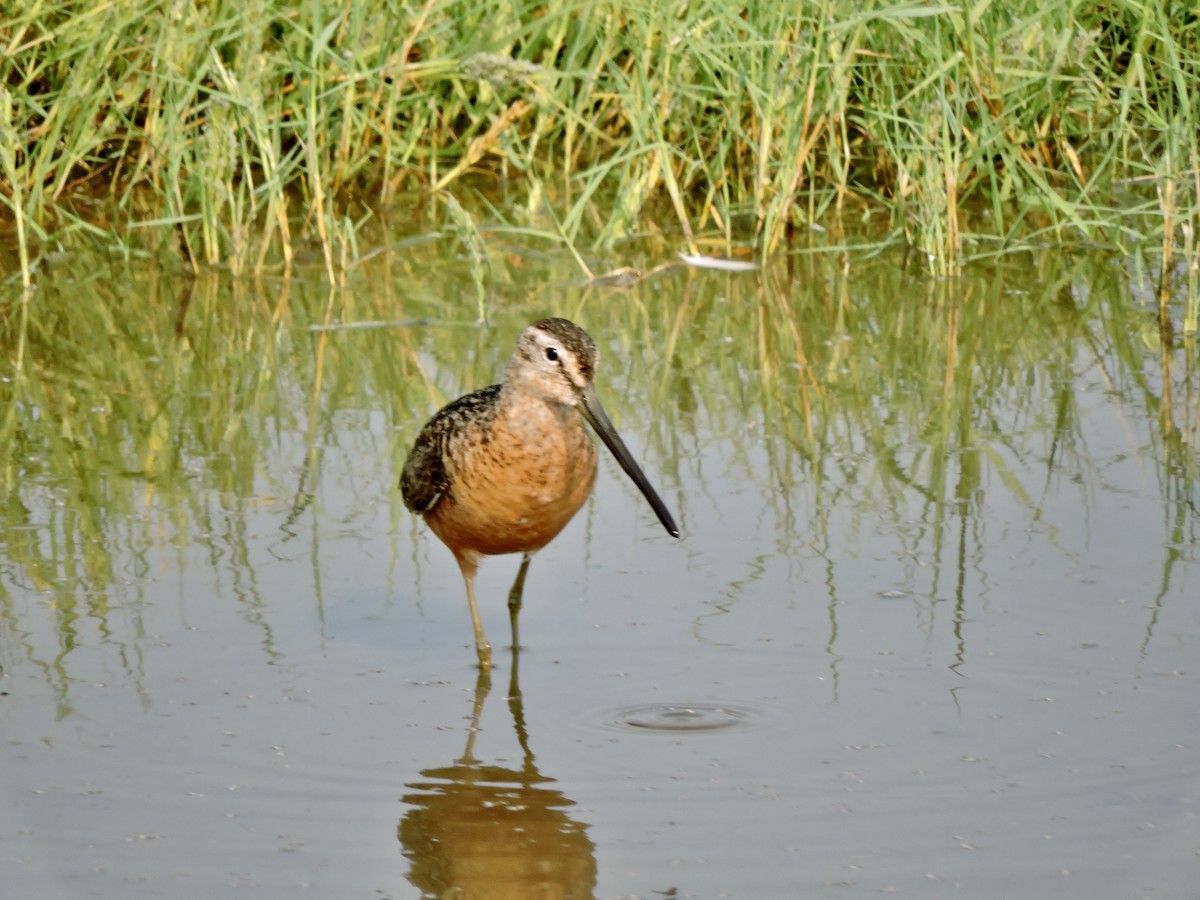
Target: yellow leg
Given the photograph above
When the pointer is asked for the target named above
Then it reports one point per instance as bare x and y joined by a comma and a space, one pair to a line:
514, 599
482, 648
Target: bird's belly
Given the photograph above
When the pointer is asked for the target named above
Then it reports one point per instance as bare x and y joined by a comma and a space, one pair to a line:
514, 502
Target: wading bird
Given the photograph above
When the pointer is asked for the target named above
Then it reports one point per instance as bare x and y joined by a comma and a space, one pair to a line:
502, 470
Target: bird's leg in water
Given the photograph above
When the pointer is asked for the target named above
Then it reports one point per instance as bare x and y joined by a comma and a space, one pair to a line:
514, 598
468, 564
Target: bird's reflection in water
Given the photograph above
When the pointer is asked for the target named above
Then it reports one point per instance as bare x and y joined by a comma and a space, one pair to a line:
476, 830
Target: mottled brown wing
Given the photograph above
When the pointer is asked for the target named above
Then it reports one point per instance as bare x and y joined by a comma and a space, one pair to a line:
425, 478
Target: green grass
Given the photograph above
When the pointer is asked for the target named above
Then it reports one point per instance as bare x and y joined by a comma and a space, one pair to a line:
233, 133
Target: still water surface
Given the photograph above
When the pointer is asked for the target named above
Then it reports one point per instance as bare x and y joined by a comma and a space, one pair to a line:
933, 628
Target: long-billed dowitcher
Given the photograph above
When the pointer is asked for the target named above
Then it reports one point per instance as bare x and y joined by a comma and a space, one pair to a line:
502, 470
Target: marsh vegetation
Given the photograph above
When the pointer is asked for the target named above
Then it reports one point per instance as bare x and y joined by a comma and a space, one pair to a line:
236, 134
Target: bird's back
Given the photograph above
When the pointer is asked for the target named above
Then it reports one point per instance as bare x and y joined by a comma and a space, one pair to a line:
426, 476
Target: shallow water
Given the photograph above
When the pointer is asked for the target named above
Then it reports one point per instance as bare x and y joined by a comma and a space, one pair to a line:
932, 629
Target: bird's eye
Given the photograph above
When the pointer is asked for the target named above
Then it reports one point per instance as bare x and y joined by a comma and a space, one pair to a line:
552, 354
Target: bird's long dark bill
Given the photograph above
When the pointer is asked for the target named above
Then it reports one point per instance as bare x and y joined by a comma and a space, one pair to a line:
598, 419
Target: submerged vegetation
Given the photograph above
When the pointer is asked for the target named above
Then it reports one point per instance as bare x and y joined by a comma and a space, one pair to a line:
233, 133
